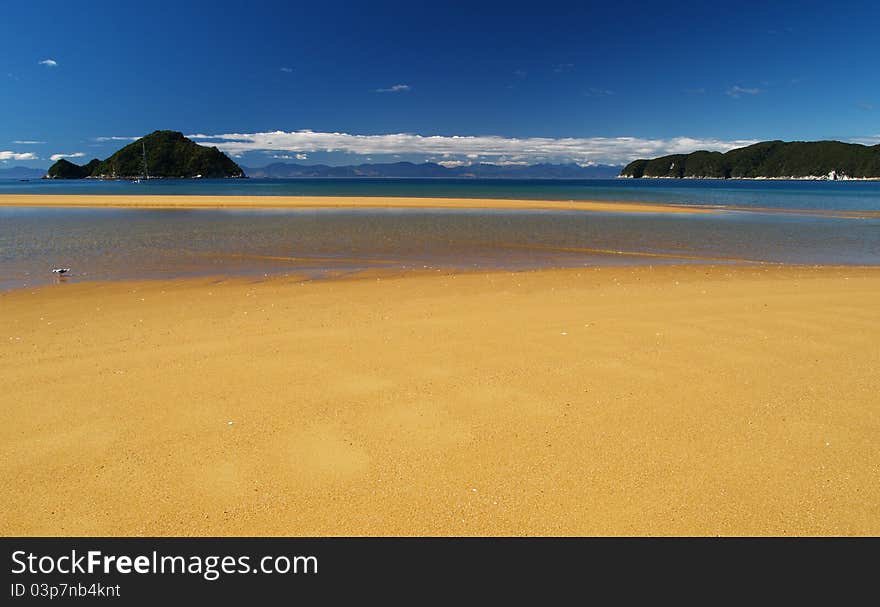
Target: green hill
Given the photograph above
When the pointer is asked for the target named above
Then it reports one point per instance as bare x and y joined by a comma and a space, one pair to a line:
769, 159
168, 155
64, 169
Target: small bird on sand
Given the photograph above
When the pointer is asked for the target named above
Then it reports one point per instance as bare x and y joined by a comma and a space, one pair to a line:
60, 271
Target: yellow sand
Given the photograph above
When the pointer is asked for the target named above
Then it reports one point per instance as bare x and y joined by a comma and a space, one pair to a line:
388, 202
676, 400
329, 202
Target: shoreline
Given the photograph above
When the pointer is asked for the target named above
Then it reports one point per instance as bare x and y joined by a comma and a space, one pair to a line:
174, 201
648, 400
686, 265
790, 178
332, 202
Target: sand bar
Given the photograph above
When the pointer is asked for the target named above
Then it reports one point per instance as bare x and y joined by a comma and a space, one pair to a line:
389, 202
666, 400
331, 202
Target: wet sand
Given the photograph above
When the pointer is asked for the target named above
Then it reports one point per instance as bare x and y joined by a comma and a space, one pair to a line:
387, 202
607, 401
331, 202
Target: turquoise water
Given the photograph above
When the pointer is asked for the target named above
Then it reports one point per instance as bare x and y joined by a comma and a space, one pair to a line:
851, 195
109, 244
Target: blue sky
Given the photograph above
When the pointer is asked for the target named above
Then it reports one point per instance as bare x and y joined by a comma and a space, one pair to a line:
454, 82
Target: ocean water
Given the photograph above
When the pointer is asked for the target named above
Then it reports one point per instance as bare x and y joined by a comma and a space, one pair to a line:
109, 244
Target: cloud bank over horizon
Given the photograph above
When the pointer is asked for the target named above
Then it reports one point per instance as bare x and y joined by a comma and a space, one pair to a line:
338, 148
488, 148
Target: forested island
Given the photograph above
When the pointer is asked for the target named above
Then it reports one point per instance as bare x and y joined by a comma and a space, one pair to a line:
159, 155
830, 160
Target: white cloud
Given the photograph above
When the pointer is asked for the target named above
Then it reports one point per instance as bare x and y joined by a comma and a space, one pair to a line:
738, 91
27, 142
509, 162
49, 63
116, 138
397, 88
7, 155
866, 140
291, 156
473, 160
55, 157
602, 150
287, 70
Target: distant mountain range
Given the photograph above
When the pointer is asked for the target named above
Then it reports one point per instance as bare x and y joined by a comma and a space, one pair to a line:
161, 154
282, 170
68, 170
767, 160
21, 173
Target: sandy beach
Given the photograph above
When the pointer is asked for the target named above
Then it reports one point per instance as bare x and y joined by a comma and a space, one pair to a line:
605, 401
